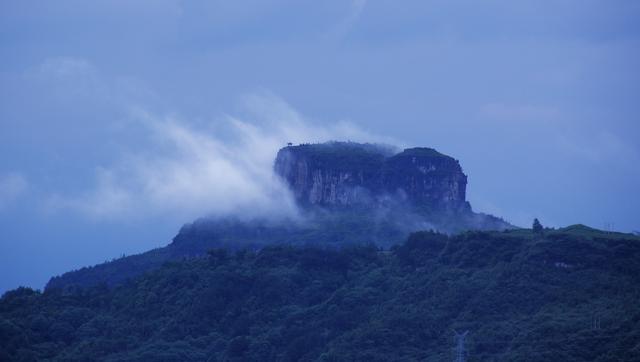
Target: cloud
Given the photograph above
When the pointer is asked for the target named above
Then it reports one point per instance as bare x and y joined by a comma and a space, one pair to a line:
341, 29
71, 79
224, 167
12, 186
64, 67
598, 147
520, 113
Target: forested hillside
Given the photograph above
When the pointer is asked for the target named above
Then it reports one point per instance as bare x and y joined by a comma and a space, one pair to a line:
554, 295
382, 226
347, 194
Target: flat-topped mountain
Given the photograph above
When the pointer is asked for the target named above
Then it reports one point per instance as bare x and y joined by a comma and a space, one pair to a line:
348, 193
349, 174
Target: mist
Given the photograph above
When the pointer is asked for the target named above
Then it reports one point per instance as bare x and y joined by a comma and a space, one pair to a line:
217, 168
142, 134
107, 109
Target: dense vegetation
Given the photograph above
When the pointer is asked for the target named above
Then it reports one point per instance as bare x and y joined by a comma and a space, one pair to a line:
345, 156
561, 295
423, 152
382, 226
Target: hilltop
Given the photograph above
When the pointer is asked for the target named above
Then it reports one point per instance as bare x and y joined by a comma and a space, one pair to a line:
348, 194
347, 174
360, 276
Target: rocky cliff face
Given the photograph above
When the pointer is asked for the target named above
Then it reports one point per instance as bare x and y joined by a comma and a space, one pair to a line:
346, 174
333, 175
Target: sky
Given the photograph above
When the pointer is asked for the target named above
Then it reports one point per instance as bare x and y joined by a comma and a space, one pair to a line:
122, 120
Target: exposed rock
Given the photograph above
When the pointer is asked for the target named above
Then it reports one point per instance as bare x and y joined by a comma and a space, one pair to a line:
346, 173
375, 195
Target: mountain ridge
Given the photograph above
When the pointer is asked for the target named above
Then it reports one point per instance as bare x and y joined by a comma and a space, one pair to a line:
393, 198
552, 295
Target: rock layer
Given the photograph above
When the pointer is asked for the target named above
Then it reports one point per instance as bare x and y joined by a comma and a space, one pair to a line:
339, 174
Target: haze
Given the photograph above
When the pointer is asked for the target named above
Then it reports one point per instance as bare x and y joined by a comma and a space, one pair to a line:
122, 120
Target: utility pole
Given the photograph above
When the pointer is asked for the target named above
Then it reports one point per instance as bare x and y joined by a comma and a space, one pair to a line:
459, 341
609, 227
595, 322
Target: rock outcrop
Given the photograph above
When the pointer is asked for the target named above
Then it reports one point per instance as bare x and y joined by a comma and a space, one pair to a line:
373, 195
339, 174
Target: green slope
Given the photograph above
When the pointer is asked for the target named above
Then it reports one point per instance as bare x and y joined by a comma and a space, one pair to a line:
319, 227
521, 296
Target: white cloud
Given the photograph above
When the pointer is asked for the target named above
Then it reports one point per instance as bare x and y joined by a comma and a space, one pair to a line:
224, 168
12, 186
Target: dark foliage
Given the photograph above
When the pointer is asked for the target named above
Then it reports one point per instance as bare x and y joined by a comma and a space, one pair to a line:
345, 155
336, 228
537, 227
522, 297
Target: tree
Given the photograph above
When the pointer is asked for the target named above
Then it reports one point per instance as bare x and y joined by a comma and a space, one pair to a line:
537, 227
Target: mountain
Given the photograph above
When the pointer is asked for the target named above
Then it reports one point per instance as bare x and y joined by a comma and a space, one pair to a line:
556, 295
347, 174
348, 193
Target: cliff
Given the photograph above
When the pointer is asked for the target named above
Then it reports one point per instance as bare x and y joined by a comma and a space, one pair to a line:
340, 174
373, 194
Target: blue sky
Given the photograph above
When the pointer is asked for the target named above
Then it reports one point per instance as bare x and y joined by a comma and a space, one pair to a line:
122, 120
